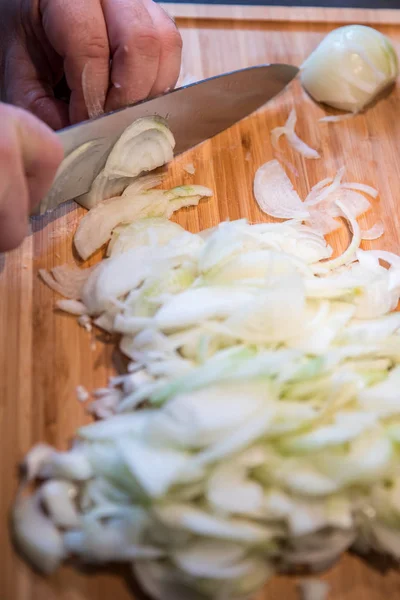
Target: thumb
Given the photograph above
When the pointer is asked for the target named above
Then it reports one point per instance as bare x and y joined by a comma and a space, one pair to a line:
26, 88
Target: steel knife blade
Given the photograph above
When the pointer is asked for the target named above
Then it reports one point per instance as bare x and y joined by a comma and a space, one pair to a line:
194, 114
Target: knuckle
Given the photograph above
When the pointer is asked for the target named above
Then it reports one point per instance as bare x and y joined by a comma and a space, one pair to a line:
171, 38
146, 42
95, 47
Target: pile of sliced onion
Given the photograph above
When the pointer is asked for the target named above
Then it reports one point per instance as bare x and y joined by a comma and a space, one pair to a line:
258, 426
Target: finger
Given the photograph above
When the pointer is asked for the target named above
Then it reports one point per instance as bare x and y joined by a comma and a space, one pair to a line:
14, 195
27, 89
78, 33
171, 50
135, 48
30, 154
41, 153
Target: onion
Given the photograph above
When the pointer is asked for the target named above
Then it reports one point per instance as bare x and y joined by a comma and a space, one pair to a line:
66, 280
375, 232
103, 188
189, 168
336, 118
257, 426
95, 229
36, 536
313, 589
295, 142
87, 158
275, 194
144, 146
349, 68
73, 307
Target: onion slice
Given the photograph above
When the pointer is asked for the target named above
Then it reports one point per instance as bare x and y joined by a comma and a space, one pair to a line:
96, 227
145, 145
294, 141
90, 158
374, 233
337, 118
66, 280
275, 195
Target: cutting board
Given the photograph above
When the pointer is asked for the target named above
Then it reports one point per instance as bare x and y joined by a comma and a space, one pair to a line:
45, 355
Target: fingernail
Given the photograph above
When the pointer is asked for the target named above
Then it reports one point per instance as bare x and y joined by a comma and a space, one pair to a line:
167, 90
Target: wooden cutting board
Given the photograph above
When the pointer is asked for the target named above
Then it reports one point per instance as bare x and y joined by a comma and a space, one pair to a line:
44, 355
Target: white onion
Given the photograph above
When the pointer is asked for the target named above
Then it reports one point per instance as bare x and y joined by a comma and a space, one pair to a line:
295, 142
374, 233
349, 68
275, 195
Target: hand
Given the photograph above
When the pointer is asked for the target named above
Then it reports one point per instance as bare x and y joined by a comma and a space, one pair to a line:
114, 52
29, 156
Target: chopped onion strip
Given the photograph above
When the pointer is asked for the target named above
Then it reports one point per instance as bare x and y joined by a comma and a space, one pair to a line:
295, 142
361, 187
348, 254
66, 280
275, 195
337, 118
374, 233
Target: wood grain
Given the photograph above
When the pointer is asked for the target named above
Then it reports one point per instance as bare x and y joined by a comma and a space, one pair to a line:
283, 13
44, 355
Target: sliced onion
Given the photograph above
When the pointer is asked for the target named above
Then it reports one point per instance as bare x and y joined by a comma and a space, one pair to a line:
362, 187
322, 222
313, 589
295, 142
321, 191
88, 158
275, 195
144, 146
189, 168
82, 394
73, 307
103, 188
36, 536
374, 233
58, 497
337, 118
352, 248
66, 280
34, 461
96, 227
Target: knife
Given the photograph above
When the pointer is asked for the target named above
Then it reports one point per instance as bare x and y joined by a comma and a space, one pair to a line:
194, 113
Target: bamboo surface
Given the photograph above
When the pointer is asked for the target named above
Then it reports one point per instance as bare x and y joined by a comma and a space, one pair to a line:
45, 355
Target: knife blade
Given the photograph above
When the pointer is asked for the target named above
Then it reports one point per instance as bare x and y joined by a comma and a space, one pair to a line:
194, 113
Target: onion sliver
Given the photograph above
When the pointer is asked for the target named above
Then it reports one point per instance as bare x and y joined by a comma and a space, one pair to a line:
275, 195
295, 142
